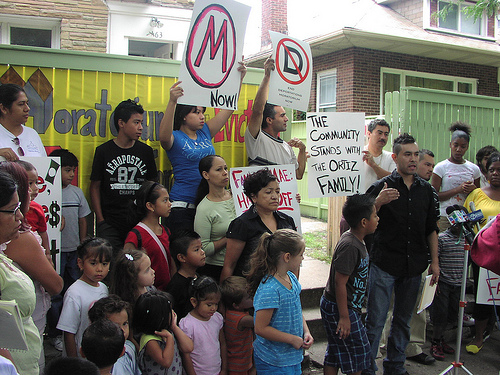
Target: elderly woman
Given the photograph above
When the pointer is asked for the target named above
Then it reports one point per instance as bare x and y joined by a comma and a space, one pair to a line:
244, 232
15, 285
28, 254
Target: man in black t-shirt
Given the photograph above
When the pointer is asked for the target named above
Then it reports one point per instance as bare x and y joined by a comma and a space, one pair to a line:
120, 166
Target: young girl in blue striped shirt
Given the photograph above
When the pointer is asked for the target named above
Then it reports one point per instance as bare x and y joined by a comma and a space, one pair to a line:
280, 327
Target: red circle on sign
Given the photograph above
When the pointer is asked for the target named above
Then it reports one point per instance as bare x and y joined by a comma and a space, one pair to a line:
278, 48
189, 63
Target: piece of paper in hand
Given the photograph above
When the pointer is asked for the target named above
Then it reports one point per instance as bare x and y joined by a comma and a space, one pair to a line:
428, 292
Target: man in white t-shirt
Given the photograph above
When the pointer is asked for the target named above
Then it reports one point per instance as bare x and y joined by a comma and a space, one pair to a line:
262, 141
379, 163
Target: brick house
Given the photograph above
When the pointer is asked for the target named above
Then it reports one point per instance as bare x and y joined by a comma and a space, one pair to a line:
149, 28
375, 46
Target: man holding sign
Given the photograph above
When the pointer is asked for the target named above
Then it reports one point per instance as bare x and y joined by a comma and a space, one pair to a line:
262, 141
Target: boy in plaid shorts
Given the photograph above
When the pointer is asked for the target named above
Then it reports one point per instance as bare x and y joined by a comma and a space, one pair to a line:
348, 345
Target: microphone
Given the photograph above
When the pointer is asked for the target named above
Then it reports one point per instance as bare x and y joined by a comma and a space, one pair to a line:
457, 216
466, 225
475, 216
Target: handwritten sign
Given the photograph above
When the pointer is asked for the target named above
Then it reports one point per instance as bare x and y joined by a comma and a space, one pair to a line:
50, 198
335, 142
213, 48
285, 175
488, 289
290, 83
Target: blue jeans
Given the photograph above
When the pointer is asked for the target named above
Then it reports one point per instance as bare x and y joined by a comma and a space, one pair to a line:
380, 287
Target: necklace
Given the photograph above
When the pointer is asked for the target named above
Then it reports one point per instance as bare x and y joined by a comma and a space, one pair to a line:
287, 280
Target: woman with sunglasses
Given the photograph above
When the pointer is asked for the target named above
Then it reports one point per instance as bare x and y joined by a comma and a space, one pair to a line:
15, 138
15, 285
29, 256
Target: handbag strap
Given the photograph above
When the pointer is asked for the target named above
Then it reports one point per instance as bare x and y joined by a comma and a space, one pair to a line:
155, 238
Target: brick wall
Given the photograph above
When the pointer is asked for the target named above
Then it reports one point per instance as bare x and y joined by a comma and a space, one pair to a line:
84, 23
274, 17
358, 76
410, 9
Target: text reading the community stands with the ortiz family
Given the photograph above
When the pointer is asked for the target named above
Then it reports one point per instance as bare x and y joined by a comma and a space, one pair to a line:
336, 144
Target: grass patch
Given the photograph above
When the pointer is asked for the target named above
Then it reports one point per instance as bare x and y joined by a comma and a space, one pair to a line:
316, 246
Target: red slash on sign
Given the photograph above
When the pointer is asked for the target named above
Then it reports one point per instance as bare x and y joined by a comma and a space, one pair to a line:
292, 52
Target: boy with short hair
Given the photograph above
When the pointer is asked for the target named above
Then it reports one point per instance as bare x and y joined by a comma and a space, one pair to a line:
74, 210
238, 325
444, 308
188, 255
119, 168
348, 345
103, 343
116, 310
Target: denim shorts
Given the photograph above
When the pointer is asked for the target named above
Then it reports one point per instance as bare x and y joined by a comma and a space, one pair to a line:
264, 368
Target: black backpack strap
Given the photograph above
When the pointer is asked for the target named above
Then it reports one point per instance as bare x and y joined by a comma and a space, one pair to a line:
139, 238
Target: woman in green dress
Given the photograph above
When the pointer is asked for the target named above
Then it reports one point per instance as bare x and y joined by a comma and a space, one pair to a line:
15, 285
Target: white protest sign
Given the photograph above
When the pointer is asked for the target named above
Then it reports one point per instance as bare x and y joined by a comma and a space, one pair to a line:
285, 175
290, 83
488, 289
50, 198
213, 49
335, 141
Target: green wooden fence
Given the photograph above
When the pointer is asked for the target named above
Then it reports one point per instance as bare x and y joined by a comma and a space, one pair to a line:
427, 115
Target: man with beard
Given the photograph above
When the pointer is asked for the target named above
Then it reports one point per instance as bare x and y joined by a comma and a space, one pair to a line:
379, 163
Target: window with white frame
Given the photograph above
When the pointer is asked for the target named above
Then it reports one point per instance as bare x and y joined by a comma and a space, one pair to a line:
458, 21
147, 48
394, 79
30, 31
326, 92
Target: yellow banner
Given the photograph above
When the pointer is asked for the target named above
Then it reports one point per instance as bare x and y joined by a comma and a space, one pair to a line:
73, 109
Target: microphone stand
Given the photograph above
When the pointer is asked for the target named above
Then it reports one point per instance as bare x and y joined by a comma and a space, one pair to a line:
456, 364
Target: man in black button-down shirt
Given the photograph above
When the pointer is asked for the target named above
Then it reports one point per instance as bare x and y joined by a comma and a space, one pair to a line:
405, 236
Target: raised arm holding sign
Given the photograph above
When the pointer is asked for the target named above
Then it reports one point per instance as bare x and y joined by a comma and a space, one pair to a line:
262, 141
187, 139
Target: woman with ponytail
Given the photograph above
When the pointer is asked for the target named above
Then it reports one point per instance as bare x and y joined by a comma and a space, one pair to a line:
214, 212
455, 177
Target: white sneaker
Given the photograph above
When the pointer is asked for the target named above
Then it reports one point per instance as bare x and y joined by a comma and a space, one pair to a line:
468, 320
57, 343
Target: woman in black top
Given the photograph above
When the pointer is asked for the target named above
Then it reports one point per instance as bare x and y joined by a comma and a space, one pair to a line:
244, 232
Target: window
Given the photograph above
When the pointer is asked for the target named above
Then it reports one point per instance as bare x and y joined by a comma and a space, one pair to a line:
327, 91
394, 79
151, 49
30, 31
458, 21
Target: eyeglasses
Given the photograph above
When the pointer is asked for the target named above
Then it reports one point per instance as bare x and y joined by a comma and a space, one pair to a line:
14, 211
20, 150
